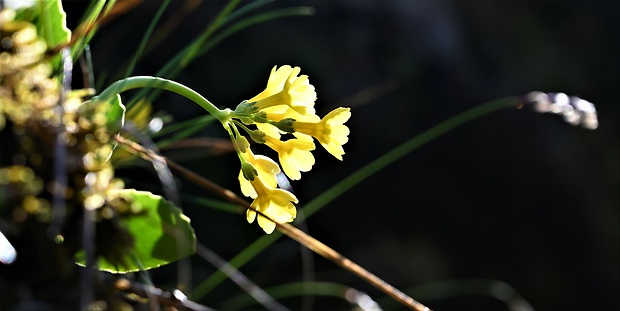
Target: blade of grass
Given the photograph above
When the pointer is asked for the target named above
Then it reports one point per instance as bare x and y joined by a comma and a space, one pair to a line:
201, 46
404, 149
244, 10
344, 262
326, 289
77, 37
173, 21
87, 29
216, 204
238, 261
465, 287
87, 68
211, 28
257, 293
349, 182
257, 19
146, 37
190, 6
245, 23
193, 49
181, 135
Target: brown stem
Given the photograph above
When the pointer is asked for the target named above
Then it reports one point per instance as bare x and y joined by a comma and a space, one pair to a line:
289, 230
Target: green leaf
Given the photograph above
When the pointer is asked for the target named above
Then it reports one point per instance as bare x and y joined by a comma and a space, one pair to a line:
115, 116
162, 234
52, 23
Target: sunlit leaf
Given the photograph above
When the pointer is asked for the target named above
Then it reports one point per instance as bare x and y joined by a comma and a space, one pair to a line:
162, 234
115, 116
52, 23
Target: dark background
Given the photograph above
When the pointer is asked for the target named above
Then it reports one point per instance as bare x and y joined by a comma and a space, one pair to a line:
514, 196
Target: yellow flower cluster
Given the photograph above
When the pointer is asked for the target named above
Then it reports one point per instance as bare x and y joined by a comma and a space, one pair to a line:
285, 120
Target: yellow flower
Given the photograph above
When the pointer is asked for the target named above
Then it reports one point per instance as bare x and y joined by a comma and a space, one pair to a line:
277, 204
330, 131
284, 87
278, 113
294, 154
266, 170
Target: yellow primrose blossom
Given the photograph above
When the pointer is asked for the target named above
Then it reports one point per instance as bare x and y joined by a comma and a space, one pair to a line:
266, 170
278, 113
277, 204
285, 107
284, 87
330, 131
294, 154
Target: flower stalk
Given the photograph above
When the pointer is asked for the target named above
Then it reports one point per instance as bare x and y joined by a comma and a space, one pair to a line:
285, 107
164, 84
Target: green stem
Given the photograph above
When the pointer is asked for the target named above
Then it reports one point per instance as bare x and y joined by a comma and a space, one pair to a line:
164, 84
146, 37
404, 149
460, 287
326, 289
352, 180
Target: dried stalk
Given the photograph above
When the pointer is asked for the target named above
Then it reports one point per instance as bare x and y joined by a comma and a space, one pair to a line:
287, 229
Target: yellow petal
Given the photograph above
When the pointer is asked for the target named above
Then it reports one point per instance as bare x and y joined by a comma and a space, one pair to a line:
250, 215
267, 225
294, 154
277, 113
339, 115
334, 149
275, 84
266, 170
286, 88
330, 131
276, 204
295, 162
246, 186
269, 130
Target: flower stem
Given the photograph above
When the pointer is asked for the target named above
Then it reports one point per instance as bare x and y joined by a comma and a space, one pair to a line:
352, 180
407, 147
164, 84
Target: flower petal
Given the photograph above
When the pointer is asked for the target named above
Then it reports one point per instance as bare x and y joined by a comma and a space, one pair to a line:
267, 225
276, 204
294, 154
275, 84
284, 87
330, 131
250, 214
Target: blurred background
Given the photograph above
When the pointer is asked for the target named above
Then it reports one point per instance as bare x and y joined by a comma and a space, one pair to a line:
515, 196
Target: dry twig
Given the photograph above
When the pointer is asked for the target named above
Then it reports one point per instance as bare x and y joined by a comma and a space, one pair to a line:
289, 230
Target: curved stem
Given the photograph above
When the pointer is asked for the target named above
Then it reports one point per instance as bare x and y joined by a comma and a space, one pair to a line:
352, 180
164, 84
407, 147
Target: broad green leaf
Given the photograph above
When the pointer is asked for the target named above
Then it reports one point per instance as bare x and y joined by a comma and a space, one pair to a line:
52, 23
162, 234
